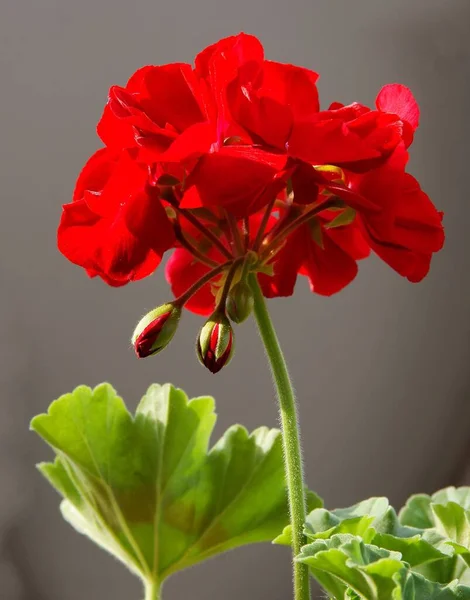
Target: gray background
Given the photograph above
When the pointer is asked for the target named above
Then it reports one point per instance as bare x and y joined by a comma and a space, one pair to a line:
381, 370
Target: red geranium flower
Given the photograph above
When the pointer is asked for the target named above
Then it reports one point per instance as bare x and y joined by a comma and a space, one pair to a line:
234, 164
116, 227
409, 229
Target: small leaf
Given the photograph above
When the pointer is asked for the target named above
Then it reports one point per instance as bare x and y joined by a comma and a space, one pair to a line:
417, 512
375, 507
452, 522
149, 490
322, 524
414, 550
461, 551
460, 496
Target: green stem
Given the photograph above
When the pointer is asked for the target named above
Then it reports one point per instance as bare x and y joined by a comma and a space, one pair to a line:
152, 591
290, 436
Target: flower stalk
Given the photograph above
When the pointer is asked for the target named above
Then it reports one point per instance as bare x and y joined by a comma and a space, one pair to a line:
290, 436
181, 300
192, 249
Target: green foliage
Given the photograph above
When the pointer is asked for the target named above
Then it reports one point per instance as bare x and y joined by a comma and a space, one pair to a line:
347, 567
368, 552
147, 488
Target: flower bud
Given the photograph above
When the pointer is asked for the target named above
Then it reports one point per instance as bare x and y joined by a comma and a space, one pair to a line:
156, 330
215, 343
239, 302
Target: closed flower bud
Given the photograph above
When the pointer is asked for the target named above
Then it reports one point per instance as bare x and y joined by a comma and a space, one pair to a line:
215, 343
156, 330
239, 302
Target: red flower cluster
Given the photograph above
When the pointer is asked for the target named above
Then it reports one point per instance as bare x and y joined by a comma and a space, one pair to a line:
233, 157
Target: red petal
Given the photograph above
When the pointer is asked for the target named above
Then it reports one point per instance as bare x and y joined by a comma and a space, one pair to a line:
146, 219
117, 132
173, 96
292, 86
285, 268
348, 136
399, 100
232, 178
154, 99
121, 247
350, 239
107, 185
95, 173
269, 100
410, 229
193, 142
103, 248
238, 50
417, 219
328, 142
329, 269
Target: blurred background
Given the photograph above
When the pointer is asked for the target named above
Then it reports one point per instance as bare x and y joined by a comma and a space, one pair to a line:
381, 370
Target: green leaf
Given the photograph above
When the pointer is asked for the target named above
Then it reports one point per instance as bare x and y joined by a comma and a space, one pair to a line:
417, 512
345, 563
347, 567
355, 520
427, 552
445, 516
452, 522
414, 550
460, 496
461, 551
412, 586
148, 489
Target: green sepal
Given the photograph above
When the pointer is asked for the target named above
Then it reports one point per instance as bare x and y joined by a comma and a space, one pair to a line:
225, 335
240, 302
346, 217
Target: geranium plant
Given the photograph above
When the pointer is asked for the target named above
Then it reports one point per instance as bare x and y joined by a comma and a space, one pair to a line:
231, 164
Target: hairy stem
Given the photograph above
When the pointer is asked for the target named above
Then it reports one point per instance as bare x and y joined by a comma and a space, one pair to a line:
290, 436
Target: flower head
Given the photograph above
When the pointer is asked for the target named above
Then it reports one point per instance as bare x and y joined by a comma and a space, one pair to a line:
233, 157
